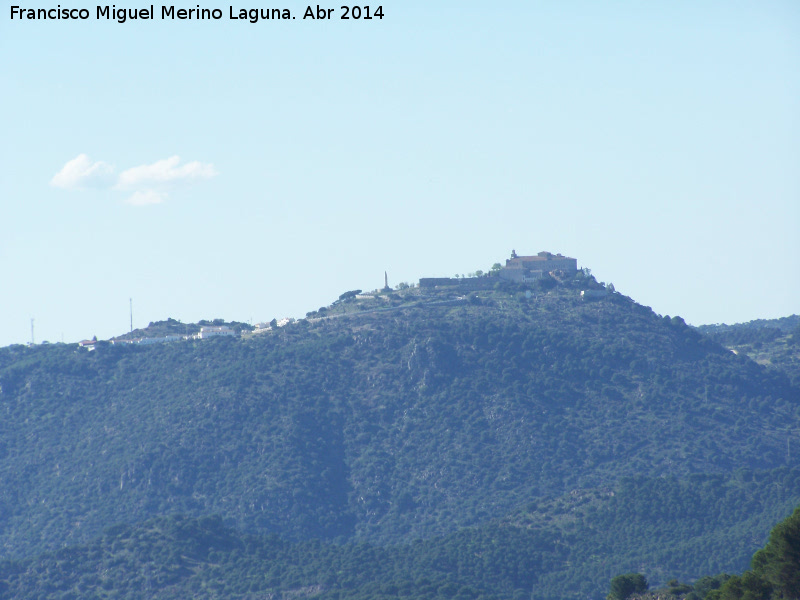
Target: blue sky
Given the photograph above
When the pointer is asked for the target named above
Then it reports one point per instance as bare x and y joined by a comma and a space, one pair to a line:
248, 171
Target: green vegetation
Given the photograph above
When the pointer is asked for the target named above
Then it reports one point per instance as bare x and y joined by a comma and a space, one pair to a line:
775, 575
174, 327
774, 343
179, 557
625, 586
491, 443
350, 294
662, 527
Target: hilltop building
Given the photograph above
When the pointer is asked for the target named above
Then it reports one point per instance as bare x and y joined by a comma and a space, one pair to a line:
221, 330
519, 269
530, 268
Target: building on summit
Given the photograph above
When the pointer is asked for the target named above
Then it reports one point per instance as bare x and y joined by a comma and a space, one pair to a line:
530, 268
208, 332
519, 269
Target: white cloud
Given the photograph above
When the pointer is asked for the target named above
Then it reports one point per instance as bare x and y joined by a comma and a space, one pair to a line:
146, 197
148, 183
165, 171
82, 172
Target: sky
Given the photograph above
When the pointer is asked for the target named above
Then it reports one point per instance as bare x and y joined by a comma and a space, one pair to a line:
245, 171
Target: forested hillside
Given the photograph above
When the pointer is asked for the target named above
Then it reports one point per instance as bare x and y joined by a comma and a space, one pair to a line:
547, 417
774, 575
572, 552
774, 343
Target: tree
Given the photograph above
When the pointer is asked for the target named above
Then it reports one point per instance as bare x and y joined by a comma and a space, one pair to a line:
779, 561
705, 585
747, 587
794, 338
625, 586
775, 573
350, 294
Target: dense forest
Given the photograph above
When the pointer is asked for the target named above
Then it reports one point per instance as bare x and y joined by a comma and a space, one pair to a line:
774, 575
774, 343
180, 557
492, 444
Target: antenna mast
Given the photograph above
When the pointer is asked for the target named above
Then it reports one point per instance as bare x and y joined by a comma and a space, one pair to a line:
131, 303
32, 339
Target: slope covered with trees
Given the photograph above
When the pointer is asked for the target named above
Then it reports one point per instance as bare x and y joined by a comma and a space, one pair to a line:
774, 343
774, 575
567, 554
413, 421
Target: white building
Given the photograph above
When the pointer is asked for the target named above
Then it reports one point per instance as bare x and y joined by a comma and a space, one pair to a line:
208, 332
